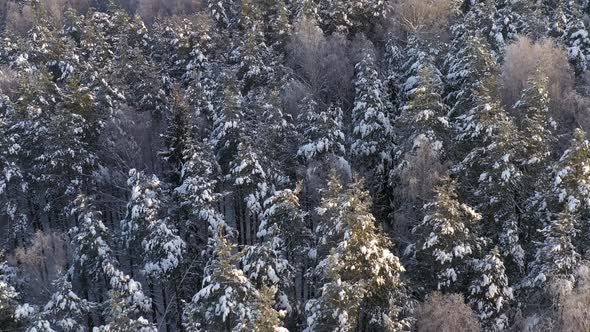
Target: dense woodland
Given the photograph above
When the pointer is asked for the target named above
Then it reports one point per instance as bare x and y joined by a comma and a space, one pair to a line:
294, 165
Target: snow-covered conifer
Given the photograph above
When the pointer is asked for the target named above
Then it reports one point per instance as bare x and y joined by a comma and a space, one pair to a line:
372, 127
147, 224
8, 295
65, 311
360, 274
535, 123
489, 291
93, 258
571, 184
446, 239
577, 42
322, 131
224, 301
557, 257
500, 186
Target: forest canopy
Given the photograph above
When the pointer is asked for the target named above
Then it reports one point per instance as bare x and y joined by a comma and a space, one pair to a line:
294, 165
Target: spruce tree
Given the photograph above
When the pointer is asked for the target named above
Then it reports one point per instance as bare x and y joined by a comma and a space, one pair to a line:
93, 259
322, 131
537, 143
535, 122
147, 227
557, 257
489, 291
446, 240
64, 311
361, 275
424, 115
225, 12
198, 193
500, 190
228, 122
224, 301
372, 127
577, 43
179, 137
8, 295
571, 183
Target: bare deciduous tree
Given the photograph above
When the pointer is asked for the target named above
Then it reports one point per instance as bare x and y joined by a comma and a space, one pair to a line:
446, 313
322, 63
40, 263
428, 18
422, 173
572, 300
150, 9
18, 20
521, 62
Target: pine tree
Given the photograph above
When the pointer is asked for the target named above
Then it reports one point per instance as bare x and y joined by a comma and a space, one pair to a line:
93, 259
146, 85
470, 68
500, 186
533, 106
258, 67
8, 295
121, 316
301, 9
334, 15
577, 43
278, 26
224, 12
557, 256
322, 131
96, 45
179, 137
372, 127
424, 116
446, 239
476, 130
252, 182
172, 48
417, 58
489, 292
510, 20
12, 180
350, 17
69, 156
145, 223
58, 127
571, 183
223, 303
266, 263
557, 12
65, 311
362, 284
267, 318
283, 246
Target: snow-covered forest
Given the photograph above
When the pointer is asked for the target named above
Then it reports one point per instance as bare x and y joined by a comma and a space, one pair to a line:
294, 165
